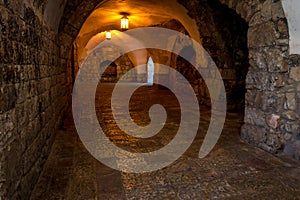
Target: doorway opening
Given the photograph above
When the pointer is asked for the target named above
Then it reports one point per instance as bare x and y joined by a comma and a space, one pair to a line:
150, 72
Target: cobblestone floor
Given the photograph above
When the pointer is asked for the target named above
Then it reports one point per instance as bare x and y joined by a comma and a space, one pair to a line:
233, 170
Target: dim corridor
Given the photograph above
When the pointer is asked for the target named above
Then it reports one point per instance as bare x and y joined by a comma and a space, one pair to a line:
233, 170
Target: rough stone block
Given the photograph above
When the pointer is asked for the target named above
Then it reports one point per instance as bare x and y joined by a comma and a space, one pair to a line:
8, 98
264, 15
268, 59
255, 117
283, 27
291, 127
291, 102
295, 73
277, 11
290, 115
253, 134
257, 80
262, 35
273, 120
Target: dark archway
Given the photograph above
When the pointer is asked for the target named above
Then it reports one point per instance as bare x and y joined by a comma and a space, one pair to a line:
269, 63
111, 72
224, 36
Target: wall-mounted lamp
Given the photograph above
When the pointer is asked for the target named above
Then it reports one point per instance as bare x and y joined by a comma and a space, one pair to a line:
108, 35
124, 22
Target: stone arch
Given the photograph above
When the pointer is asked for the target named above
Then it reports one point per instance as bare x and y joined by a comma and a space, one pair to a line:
228, 48
73, 20
111, 73
268, 45
268, 99
74, 16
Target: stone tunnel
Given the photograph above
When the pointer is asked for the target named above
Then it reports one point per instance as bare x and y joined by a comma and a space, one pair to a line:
254, 45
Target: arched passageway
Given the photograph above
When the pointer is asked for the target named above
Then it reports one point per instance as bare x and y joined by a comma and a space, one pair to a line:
43, 44
111, 72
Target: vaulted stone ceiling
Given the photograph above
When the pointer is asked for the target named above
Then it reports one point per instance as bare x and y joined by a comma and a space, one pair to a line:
56, 11
107, 16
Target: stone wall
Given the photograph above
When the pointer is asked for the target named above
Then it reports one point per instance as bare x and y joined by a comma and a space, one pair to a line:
272, 100
123, 65
33, 95
175, 61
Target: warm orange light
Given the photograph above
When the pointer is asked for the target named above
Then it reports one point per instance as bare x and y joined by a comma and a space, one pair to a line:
124, 23
108, 35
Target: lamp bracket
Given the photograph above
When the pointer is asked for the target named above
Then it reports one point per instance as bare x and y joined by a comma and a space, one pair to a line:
125, 13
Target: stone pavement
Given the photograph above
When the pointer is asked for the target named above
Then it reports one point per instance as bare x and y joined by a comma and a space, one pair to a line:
233, 170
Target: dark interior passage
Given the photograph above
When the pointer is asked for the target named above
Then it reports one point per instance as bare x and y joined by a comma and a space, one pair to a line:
43, 44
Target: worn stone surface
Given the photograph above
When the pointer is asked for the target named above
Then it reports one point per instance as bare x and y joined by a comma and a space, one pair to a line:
290, 103
233, 170
262, 35
272, 121
295, 73
33, 95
